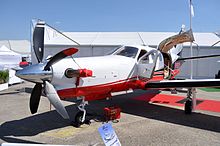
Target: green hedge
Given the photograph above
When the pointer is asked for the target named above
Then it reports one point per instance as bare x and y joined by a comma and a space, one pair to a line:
4, 76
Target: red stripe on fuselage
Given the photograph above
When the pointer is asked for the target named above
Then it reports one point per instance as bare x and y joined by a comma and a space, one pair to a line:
104, 90
94, 92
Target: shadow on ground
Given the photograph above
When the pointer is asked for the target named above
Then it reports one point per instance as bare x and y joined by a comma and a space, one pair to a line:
47, 121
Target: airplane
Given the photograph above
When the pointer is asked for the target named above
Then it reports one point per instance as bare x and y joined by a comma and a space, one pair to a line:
125, 69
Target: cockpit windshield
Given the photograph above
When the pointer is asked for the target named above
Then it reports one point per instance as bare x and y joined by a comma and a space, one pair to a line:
127, 51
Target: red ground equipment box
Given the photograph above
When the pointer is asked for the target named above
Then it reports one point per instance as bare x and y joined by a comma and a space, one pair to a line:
112, 113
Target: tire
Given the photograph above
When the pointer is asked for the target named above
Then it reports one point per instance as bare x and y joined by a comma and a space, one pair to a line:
188, 107
78, 119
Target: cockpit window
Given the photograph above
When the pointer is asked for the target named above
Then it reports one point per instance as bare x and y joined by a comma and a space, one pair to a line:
113, 51
127, 51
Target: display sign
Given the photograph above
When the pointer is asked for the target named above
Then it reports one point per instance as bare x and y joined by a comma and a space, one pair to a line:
108, 135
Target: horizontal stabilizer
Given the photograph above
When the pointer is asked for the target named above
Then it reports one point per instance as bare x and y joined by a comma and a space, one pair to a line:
183, 83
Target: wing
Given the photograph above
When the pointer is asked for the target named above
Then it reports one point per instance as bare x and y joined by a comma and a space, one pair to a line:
183, 83
199, 57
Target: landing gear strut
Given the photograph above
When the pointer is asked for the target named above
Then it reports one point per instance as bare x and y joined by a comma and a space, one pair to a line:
190, 101
80, 117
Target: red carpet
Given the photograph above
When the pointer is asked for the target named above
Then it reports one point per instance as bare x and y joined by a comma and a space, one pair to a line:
208, 105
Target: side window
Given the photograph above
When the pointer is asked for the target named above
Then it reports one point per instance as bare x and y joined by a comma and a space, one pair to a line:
141, 54
150, 57
160, 57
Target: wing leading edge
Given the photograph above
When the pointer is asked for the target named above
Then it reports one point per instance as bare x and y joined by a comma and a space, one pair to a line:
183, 83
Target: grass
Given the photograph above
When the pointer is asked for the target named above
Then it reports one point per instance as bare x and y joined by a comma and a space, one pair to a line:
210, 89
4, 76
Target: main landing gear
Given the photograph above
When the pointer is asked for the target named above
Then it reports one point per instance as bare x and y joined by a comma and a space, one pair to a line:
190, 101
80, 117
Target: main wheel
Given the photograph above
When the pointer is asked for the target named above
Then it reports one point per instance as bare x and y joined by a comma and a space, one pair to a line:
78, 119
188, 106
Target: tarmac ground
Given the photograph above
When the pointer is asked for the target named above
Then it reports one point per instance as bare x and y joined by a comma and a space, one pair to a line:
141, 122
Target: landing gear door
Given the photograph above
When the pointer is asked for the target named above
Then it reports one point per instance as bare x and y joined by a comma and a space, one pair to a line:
147, 63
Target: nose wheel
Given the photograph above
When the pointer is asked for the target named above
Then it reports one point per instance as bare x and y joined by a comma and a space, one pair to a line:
80, 117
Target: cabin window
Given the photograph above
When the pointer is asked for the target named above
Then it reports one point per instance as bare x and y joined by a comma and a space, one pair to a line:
145, 60
141, 54
149, 58
161, 57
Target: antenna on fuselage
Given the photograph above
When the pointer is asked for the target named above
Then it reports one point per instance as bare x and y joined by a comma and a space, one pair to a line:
141, 39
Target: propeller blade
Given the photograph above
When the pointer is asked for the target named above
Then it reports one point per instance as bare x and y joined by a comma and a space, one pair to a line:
60, 56
38, 40
35, 98
55, 100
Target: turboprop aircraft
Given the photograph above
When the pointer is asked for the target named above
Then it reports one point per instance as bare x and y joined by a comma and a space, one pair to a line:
91, 78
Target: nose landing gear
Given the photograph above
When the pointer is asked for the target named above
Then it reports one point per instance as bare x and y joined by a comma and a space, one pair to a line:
80, 117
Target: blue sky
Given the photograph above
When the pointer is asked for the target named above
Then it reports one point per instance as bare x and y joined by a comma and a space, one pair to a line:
107, 15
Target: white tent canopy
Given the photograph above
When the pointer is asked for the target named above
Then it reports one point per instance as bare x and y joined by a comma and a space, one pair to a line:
8, 58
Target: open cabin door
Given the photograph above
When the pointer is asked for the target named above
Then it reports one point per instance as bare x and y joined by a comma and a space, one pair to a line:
147, 63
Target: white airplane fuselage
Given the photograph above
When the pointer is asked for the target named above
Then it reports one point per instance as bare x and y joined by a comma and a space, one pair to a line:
120, 71
111, 73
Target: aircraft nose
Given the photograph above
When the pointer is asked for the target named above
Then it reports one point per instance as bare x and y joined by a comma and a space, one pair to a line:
35, 73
